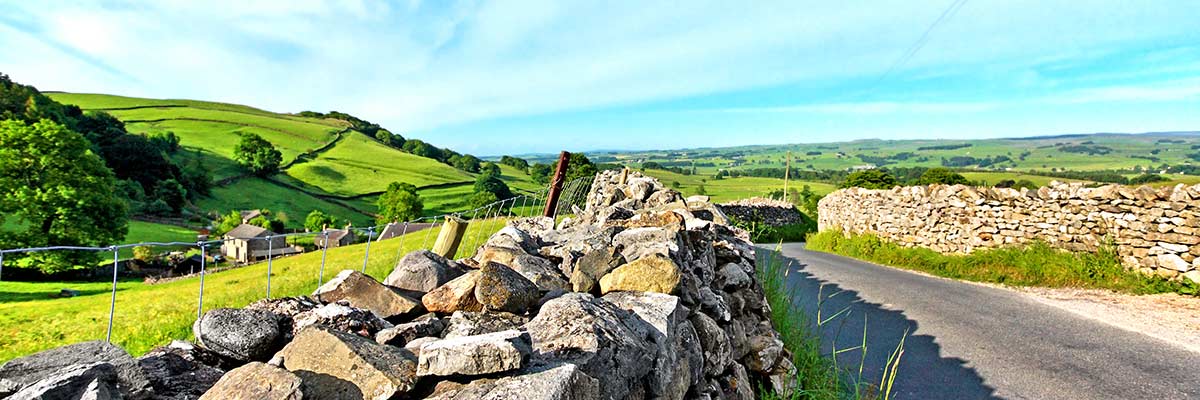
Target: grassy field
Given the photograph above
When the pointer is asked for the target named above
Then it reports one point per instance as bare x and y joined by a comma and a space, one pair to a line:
142, 231
360, 165
991, 178
287, 204
152, 315
727, 189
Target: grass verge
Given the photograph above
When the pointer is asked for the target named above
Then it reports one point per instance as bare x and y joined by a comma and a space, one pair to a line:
1036, 264
818, 376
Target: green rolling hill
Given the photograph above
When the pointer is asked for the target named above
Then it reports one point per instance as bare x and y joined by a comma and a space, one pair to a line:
327, 165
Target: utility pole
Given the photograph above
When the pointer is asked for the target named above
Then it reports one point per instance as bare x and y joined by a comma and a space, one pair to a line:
556, 185
787, 171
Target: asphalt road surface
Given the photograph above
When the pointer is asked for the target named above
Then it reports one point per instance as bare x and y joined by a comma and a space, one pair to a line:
969, 341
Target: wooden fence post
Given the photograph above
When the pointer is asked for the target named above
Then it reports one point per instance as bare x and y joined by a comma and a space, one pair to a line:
557, 184
450, 236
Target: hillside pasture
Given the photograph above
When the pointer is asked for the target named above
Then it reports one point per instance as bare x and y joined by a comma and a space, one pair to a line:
359, 165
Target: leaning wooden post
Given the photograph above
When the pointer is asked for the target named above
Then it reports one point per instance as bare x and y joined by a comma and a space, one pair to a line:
450, 236
624, 175
557, 184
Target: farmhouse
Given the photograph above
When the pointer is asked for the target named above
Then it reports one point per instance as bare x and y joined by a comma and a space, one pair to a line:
249, 215
336, 238
392, 229
248, 243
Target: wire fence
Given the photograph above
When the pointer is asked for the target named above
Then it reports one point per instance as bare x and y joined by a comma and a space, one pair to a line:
481, 222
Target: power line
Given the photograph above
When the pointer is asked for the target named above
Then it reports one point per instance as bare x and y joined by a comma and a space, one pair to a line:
916, 46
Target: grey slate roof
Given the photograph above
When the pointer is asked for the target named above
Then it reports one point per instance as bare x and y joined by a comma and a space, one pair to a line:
246, 231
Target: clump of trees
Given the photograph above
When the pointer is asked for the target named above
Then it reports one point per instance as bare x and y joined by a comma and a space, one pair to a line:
266, 220
257, 155
942, 176
400, 202
317, 220
59, 192
515, 162
870, 179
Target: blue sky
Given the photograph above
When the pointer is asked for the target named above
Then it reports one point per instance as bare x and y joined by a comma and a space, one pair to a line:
538, 76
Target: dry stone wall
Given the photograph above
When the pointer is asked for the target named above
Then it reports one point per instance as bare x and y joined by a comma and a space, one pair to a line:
1154, 230
643, 294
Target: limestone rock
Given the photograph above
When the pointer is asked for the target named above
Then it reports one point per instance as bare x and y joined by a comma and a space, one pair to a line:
764, 352
181, 370
456, 295
256, 381
475, 355
21, 372
422, 271
650, 274
599, 337
240, 334
341, 317
361, 291
592, 266
1173, 262
717, 352
467, 323
502, 289
543, 382
337, 365
82, 381
732, 276
399, 335
671, 375
643, 242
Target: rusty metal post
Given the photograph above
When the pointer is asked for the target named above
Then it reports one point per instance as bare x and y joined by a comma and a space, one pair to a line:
556, 185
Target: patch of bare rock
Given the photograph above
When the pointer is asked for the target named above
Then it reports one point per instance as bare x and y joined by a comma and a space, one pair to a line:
641, 295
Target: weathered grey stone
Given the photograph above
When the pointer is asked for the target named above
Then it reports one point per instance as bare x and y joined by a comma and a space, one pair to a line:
596, 335
543, 382
256, 381
422, 271
240, 334
764, 352
341, 317
737, 385
654, 273
467, 323
180, 370
338, 365
717, 352
415, 345
636, 243
361, 291
401, 334
592, 266
24, 371
82, 381
670, 377
502, 289
475, 355
456, 295
732, 277
1173, 262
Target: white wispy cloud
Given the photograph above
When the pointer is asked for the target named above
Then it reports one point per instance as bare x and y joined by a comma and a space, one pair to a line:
423, 66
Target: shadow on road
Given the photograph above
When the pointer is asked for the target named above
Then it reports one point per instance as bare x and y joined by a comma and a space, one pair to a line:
922, 374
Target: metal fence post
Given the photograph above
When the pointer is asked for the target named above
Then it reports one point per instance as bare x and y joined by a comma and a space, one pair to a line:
400, 249
556, 184
367, 253
1, 267
112, 302
324, 252
203, 262
270, 248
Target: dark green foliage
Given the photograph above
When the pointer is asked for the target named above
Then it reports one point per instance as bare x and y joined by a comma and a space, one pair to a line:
263, 221
257, 155
492, 184
420, 148
515, 162
138, 158
1021, 184
166, 142
870, 179
389, 138
490, 169
1147, 178
945, 147
52, 184
467, 162
172, 193
481, 199
1088, 149
400, 202
942, 176
540, 173
317, 220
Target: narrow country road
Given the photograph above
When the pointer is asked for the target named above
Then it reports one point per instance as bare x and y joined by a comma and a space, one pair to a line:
970, 341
